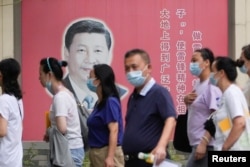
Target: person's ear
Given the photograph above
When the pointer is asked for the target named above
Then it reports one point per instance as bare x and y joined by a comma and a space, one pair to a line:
149, 68
97, 82
222, 73
110, 58
49, 74
207, 63
66, 53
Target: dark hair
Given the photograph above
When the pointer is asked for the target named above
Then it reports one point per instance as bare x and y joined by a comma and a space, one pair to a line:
87, 26
228, 65
239, 62
206, 54
144, 55
246, 51
10, 70
106, 75
53, 65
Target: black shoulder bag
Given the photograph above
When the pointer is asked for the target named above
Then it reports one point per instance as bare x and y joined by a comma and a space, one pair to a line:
181, 142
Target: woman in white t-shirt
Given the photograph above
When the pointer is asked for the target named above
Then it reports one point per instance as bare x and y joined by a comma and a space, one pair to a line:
11, 115
232, 107
63, 115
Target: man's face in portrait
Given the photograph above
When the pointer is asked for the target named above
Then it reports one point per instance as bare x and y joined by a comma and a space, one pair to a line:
86, 50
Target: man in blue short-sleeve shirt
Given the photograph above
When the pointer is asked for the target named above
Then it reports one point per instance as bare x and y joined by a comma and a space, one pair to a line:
151, 115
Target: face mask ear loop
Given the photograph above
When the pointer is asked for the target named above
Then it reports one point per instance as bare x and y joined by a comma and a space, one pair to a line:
93, 79
144, 70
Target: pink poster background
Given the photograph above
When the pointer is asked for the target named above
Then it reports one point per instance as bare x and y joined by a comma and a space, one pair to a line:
134, 24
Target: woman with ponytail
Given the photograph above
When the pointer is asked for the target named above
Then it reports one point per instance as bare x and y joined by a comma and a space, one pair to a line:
228, 123
65, 123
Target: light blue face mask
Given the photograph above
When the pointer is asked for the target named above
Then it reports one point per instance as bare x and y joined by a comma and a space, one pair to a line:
136, 78
212, 80
90, 84
195, 69
243, 69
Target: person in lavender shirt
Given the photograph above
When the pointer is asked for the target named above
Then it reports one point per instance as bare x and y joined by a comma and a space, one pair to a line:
201, 102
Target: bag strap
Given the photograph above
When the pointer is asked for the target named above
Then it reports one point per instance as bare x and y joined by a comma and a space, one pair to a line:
19, 109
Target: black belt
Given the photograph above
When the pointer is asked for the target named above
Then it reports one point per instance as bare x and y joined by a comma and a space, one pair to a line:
104, 146
131, 157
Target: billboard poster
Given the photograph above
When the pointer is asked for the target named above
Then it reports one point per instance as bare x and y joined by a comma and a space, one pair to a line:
168, 30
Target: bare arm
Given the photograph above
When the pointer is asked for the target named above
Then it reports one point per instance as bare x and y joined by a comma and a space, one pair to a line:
202, 147
113, 137
3, 126
160, 149
61, 124
237, 129
205, 139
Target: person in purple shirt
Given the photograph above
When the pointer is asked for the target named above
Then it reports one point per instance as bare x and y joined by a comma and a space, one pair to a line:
105, 121
201, 102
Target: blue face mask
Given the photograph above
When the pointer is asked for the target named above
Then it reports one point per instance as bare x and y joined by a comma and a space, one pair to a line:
91, 85
48, 85
243, 69
136, 78
195, 69
212, 80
